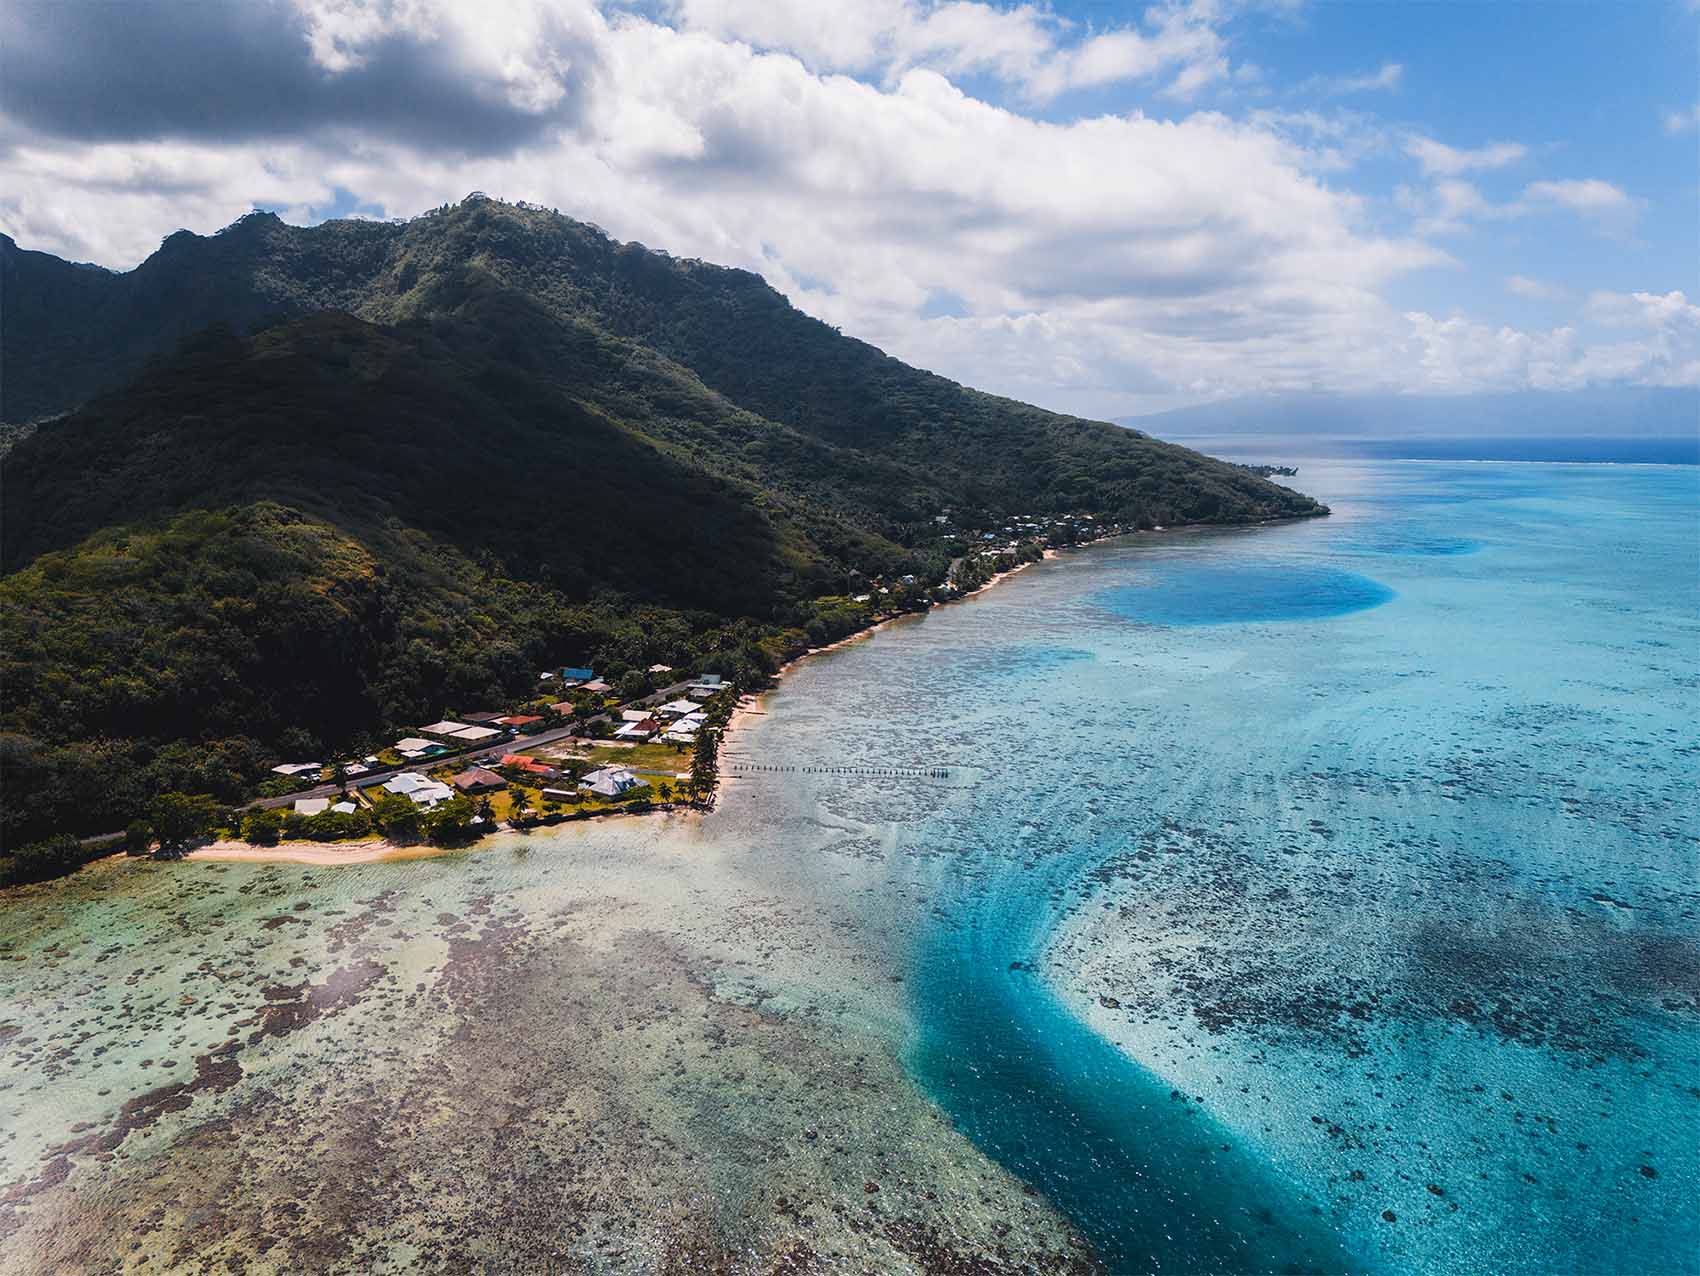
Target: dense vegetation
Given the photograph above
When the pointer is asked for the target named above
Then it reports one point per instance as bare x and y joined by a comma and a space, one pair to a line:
407, 466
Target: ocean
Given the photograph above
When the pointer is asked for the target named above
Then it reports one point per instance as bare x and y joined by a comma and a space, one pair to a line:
1314, 897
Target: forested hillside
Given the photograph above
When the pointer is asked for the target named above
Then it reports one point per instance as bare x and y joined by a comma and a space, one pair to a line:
316, 484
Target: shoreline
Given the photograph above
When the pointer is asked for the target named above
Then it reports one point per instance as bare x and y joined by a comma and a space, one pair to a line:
749, 705
231, 851
379, 850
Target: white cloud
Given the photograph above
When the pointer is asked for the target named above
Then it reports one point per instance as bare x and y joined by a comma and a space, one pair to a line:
1534, 289
1439, 160
1682, 121
1386, 79
1025, 46
1607, 207
1103, 265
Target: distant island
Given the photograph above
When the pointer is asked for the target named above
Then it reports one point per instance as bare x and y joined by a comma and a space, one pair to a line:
283, 494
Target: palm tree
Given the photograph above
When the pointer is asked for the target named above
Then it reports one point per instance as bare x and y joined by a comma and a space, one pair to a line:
519, 800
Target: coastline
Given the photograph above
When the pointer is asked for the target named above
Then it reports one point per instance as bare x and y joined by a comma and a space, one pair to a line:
751, 705
229, 850
377, 850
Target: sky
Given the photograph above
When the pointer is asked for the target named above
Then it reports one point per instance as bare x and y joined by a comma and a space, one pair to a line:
1107, 209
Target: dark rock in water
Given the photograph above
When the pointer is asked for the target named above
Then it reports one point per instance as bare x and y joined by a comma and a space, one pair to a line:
1437, 1189
1390, 1216
1109, 1003
870, 1187
1648, 1172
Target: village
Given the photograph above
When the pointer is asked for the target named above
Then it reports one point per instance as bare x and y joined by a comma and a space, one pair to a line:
577, 750
583, 746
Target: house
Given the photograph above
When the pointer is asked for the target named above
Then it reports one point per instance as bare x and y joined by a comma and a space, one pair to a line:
419, 789
578, 675
528, 764
297, 768
355, 768
560, 795
563, 707
678, 708
431, 794
596, 685
413, 744
519, 719
638, 731
345, 808
481, 719
611, 781
634, 715
478, 780
661, 669
445, 727
312, 806
681, 733
474, 734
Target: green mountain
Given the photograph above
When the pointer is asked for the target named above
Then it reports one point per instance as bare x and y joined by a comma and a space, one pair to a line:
308, 485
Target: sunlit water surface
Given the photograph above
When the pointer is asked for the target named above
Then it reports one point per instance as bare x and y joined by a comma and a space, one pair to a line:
1312, 897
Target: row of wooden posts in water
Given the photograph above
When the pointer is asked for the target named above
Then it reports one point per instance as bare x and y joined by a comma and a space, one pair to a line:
892, 773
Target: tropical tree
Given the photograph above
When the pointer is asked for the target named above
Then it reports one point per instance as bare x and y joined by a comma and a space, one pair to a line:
396, 817
263, 826
178, 817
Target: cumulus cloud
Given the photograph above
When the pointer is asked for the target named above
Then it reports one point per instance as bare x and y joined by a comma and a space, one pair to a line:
1102, 265
477, 77
1025, 46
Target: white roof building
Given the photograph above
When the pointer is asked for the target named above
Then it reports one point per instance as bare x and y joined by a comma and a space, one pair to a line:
296, 768
611, 781
678, 708
345, 808
634, 715
634, 731
311, 806
445, 727
414, 744
475, 733
419, 789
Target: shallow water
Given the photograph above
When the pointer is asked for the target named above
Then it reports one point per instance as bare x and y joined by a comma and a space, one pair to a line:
1241, 917
1389, 908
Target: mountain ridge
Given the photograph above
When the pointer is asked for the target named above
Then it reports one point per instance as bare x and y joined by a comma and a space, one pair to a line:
386, 470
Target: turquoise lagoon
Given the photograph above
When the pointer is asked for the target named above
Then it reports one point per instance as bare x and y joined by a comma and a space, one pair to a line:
1325, 895
1316, 897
